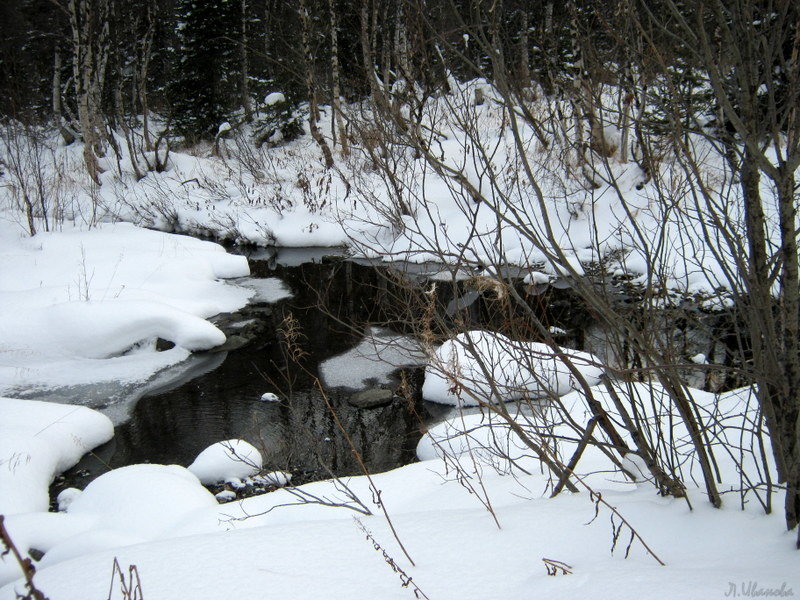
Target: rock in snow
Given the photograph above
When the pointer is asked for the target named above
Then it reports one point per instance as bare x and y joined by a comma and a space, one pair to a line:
371, 398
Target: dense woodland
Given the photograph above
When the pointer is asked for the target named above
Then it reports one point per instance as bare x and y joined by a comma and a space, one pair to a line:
726, 71
197, 64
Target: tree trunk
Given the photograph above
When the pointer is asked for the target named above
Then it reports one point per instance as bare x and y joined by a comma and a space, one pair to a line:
313, 108
247, 104
524, 59
58, 113
89, 70
368, 25
337, 121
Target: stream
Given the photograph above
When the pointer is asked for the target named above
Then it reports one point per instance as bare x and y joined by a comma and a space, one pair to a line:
309, 339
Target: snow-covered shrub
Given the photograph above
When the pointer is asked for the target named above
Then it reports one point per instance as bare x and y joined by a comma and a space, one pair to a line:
281, 120
33, 175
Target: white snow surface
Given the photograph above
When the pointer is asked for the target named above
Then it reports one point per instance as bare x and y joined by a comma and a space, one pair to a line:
39, 440
457, 371
372, 360
230, 459
182, 542
268, 289
88, 306
285, 196
274, 98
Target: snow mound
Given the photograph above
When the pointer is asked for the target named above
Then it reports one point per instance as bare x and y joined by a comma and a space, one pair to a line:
457, 373
274, 98
39, 440
107, 329
231, 459
143, 500
89, 305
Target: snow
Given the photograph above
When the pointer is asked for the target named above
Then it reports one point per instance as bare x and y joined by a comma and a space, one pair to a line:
372, 360
182, 541
66, 496
231, 459
39, 440
145, 500
268, 289
456, 374
284, 196
269, 397
274, 98
443, 527
537, 278
83, 305
90, 305
273, 478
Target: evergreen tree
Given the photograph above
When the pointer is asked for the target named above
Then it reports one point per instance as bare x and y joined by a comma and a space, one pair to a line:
205, 83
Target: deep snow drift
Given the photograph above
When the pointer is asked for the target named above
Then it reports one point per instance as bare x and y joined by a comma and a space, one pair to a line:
88, 306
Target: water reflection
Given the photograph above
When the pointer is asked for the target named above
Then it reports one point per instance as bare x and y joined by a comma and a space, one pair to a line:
331, 301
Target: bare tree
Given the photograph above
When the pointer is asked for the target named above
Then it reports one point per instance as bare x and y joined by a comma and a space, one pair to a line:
749, 55
508, 194
89, 22
311, 85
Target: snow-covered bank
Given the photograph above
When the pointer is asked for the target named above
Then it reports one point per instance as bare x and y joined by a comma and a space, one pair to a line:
88, 306
39, 440
610, 212
317, 552
182, 542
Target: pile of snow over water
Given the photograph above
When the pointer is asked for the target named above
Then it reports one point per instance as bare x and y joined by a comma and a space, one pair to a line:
373, 360
457, 373
228, 460
39, 440
88, 306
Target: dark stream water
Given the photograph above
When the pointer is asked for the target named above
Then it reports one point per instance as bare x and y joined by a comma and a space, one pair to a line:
332, 302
